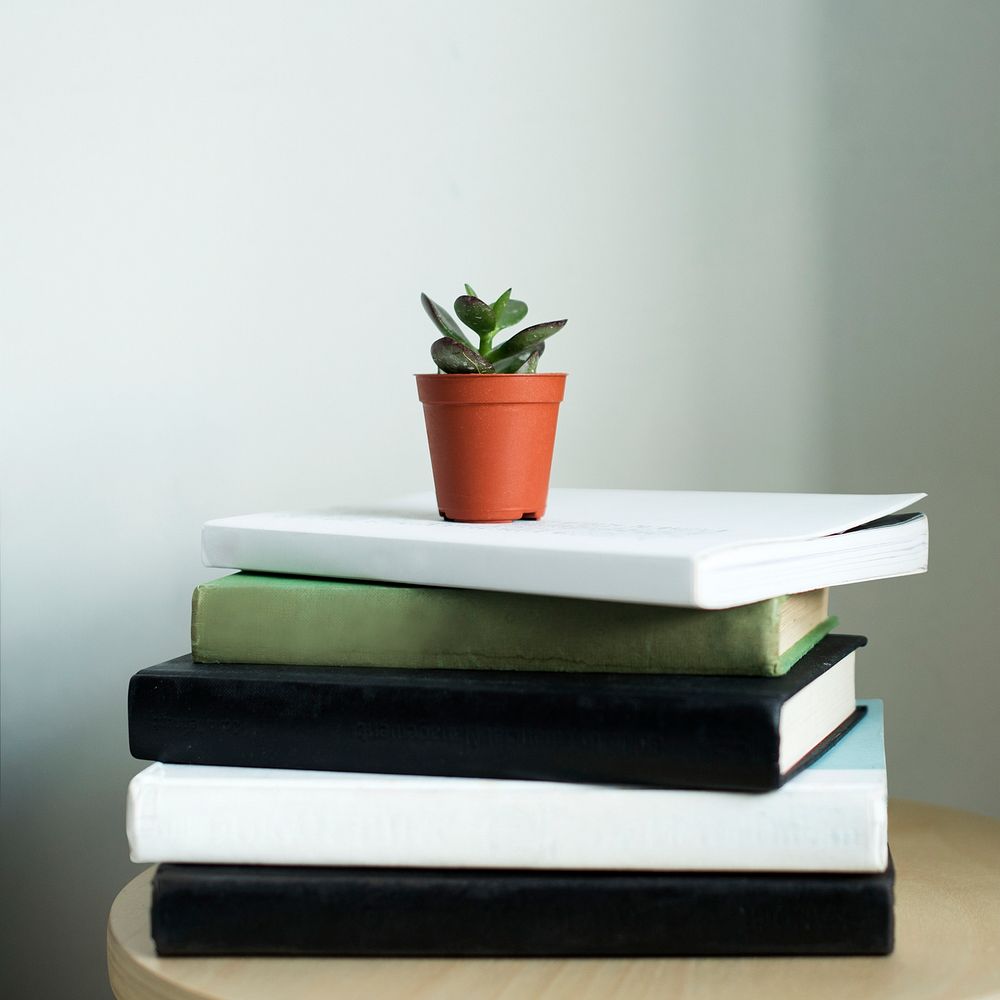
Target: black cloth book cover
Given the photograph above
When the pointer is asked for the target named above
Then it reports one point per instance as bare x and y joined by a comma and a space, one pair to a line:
259, 910
660, 731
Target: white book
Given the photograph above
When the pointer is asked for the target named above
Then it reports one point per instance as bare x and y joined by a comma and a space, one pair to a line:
831, 817
704, 550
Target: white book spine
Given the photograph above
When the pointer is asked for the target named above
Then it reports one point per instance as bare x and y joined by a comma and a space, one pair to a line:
833, 821
606, 576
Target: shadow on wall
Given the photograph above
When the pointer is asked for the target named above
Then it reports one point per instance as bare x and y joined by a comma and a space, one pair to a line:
909, 153
61, 866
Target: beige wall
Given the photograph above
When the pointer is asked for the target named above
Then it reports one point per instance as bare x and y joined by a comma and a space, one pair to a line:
774, 227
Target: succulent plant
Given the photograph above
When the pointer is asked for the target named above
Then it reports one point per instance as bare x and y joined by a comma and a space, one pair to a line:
454, 353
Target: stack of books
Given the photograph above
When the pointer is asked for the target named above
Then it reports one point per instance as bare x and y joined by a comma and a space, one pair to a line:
627, 729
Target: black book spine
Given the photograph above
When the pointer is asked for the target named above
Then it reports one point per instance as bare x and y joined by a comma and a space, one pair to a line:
682, 732
251, 910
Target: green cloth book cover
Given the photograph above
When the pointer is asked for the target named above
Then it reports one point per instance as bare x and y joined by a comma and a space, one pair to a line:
258, 618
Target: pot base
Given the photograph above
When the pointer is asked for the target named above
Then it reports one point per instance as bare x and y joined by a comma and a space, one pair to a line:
492, 516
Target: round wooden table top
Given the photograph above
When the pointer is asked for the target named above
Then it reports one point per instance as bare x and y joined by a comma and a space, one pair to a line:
947, 945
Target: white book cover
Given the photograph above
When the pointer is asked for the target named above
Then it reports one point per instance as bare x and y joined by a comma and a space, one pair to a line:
707, 550
832, 817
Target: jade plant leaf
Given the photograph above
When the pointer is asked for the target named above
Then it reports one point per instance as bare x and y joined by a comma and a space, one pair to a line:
501, 304
444, 320
508, 366
475, 314
508, 311
521, 364
459, 359
530, 366
470, 291
526, 340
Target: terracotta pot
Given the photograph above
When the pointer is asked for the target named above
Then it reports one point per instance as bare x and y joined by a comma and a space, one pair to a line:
491, 439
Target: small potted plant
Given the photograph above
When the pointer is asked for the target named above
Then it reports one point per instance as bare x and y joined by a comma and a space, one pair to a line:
491, 417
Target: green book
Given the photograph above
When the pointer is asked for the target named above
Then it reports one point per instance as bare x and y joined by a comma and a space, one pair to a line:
299, 621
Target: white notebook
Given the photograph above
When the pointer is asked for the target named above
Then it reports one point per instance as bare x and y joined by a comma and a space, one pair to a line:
831, 817
706, 550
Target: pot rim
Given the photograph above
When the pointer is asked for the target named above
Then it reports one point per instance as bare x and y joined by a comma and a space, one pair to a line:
464, 375
475, 389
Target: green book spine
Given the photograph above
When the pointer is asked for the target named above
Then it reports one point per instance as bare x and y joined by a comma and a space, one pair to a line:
295, 621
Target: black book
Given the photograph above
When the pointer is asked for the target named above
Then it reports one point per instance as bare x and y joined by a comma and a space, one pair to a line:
259, 910
730, 733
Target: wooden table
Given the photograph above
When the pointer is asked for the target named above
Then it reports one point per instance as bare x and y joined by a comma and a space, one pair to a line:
947, 945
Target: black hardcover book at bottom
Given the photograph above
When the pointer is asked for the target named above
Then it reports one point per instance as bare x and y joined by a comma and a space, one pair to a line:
656, 730
259, 910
